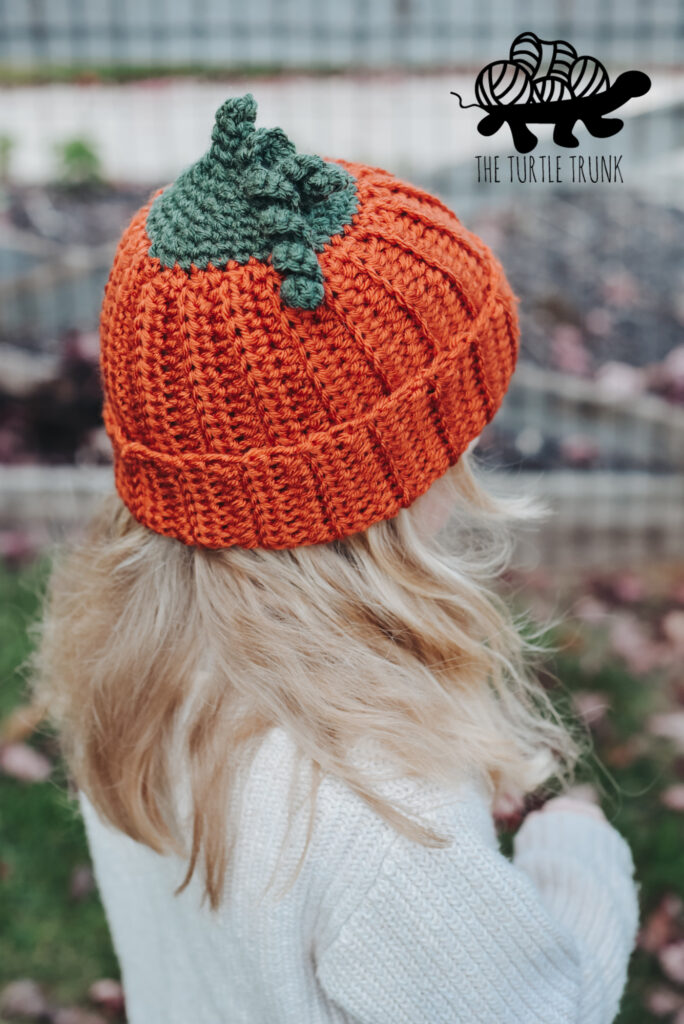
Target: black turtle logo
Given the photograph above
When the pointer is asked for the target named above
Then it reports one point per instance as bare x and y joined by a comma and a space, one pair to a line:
544, 81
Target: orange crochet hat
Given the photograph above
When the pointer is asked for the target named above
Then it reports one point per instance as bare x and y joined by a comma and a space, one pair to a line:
294, 347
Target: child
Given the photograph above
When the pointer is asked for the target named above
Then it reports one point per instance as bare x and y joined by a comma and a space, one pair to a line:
285, 688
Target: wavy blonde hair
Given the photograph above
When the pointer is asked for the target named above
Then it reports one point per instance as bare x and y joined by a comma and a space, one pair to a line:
154, 658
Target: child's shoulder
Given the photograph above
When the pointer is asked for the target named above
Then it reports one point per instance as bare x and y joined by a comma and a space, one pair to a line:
349, 837
278, 765
350, 841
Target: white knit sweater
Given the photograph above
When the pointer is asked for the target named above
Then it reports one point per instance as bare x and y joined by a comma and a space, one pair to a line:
377, 929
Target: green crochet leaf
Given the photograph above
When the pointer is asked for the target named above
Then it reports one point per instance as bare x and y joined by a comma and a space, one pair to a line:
252, 194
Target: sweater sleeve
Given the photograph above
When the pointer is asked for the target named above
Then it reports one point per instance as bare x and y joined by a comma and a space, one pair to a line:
462, 935
583, 871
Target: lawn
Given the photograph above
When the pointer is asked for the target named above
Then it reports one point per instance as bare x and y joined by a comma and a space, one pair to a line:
53, 929
619, 661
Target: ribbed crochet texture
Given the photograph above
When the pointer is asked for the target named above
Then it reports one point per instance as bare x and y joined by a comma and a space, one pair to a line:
242, 410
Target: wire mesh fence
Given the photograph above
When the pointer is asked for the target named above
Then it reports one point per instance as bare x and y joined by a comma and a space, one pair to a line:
104, 101
293, 34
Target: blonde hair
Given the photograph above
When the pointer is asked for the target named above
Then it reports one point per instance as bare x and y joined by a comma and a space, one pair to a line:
152, 655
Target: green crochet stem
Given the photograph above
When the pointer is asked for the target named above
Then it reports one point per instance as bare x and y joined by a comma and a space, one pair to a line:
250, 195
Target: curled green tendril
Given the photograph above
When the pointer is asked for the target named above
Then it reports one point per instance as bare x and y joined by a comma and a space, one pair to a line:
253, 195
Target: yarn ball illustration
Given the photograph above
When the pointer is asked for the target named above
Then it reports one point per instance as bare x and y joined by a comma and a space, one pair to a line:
526, 50
539, 71
588, 77
562, 57
240, 415
550, 89
502, 83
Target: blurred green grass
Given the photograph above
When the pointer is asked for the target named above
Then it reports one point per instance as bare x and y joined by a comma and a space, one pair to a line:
630, 800
46, 933
62, 942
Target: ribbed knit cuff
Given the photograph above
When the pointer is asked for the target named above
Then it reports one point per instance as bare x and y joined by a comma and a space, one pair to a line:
579, 834
583, 868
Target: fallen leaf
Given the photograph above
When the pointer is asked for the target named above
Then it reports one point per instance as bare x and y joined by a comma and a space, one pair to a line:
23, 762
632, 643
82, 882
590, 609
671, 958
668, 725
663, 1001
673, 628
108, 994
673, 797
23, 999
624, 754
76, 1015
590, 706
661, 925
18, 545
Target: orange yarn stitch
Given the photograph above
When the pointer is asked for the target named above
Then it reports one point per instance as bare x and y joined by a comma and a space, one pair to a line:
238, 420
